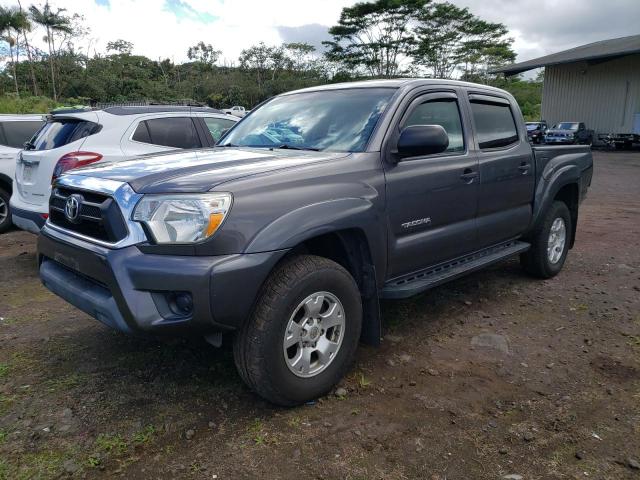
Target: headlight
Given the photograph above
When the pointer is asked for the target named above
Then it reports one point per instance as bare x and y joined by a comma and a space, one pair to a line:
182, 218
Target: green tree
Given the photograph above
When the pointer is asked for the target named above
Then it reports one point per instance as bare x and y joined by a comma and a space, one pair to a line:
12, 21
120, 47
451, 41
54, 22
375, 36
204, 54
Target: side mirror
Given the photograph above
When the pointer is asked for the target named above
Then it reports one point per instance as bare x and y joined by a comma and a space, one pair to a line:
418, 140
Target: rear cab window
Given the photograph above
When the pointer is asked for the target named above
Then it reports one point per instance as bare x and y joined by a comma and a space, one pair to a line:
58, 132
176, 132
494, 122
14, 134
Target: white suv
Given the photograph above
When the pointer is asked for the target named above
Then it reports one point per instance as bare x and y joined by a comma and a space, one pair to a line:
15, 130
73, 138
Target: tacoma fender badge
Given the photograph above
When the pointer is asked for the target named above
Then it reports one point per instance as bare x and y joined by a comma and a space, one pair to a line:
415, 223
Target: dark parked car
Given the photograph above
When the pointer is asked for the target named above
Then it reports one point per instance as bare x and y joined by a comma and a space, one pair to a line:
536, 131
572, 133
391, 188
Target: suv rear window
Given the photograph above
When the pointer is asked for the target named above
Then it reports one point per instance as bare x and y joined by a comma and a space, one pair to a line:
59, 132
176, 132
14, 134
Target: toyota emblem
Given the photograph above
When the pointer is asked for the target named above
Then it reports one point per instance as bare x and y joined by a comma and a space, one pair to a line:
72, 208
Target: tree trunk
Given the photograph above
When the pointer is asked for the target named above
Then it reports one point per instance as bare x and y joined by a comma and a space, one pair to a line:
13, 67
26, 44
33, 73
53, 74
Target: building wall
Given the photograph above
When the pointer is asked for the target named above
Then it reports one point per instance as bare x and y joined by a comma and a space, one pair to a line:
604, 95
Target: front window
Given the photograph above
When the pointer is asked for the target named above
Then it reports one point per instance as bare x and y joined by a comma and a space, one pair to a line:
533, 126
566, 126
332, 120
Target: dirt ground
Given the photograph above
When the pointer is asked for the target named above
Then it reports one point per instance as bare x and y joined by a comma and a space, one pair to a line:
493, 376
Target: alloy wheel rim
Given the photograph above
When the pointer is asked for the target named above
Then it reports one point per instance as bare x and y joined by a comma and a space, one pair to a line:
314, 334
4, 210
557, 239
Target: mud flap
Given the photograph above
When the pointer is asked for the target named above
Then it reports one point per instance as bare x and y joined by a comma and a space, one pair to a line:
371, 316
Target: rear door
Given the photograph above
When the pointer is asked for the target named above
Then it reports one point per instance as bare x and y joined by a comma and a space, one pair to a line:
506, 168
60, 135
432, 199
152, 134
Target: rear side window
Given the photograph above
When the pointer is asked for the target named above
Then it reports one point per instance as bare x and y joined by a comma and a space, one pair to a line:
218, 126
440, 112
15, 134
495, 126
176, 132
59, 132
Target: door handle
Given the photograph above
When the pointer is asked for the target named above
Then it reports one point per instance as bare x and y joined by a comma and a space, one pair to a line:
524, 167
468, 175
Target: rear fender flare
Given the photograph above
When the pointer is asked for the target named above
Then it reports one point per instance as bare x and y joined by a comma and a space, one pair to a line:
552, 181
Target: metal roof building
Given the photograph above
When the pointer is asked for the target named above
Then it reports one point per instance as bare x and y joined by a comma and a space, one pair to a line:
598, 84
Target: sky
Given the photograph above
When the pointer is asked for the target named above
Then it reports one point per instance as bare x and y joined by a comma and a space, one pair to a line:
166, 28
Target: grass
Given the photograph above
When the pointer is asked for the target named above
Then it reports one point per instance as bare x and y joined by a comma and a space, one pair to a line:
10, 103
111, 444
4, 369
64, 383
39, 465
145, 435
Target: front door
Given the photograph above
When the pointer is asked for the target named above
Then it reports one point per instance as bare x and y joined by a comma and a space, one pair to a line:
432, 199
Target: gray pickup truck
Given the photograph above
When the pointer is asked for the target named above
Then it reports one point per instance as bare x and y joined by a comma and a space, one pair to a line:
314, 207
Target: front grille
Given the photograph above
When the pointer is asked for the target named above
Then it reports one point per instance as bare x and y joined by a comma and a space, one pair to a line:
99, 215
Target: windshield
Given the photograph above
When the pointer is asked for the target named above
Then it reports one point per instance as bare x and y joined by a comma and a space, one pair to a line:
533, 126
333, 120
566, 126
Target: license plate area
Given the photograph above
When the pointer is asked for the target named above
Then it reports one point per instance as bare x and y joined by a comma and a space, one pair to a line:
28, 172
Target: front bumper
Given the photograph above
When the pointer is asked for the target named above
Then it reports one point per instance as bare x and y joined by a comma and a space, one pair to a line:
27, 220
130, 291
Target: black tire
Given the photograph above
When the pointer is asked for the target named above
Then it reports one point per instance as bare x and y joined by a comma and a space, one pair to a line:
536, 260
5, 223
258, 346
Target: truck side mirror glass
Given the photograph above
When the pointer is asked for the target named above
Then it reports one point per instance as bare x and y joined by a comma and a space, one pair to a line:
418, 140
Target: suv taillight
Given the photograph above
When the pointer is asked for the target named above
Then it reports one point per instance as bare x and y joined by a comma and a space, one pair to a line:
73, 160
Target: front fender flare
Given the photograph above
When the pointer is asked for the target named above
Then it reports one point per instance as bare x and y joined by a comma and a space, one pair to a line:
317, 219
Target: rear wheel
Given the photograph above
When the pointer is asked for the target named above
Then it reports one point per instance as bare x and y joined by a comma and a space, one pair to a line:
5, 211
303, 334
549, 243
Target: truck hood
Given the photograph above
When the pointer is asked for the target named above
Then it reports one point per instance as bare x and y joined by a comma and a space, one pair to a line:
199, 170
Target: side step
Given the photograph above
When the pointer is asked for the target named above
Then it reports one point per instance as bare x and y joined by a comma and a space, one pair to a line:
413, 283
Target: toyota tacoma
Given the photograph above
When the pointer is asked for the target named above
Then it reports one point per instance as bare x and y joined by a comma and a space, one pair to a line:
309, 211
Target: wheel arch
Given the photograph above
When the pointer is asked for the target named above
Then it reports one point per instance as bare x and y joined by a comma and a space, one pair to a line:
350, 248
6, 183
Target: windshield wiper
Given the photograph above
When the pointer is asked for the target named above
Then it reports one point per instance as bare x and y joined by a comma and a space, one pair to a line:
228, 145
286, 146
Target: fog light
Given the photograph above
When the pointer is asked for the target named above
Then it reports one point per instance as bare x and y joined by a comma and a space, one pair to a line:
184, 303
174, 304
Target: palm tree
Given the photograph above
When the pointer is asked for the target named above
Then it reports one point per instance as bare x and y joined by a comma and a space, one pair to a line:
53, 23
12, 22
27, 28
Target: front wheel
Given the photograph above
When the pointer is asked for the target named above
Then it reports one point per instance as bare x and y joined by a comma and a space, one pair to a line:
5, 211
304, 332
549, 243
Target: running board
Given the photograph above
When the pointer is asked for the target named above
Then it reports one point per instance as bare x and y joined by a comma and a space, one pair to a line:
409, 285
